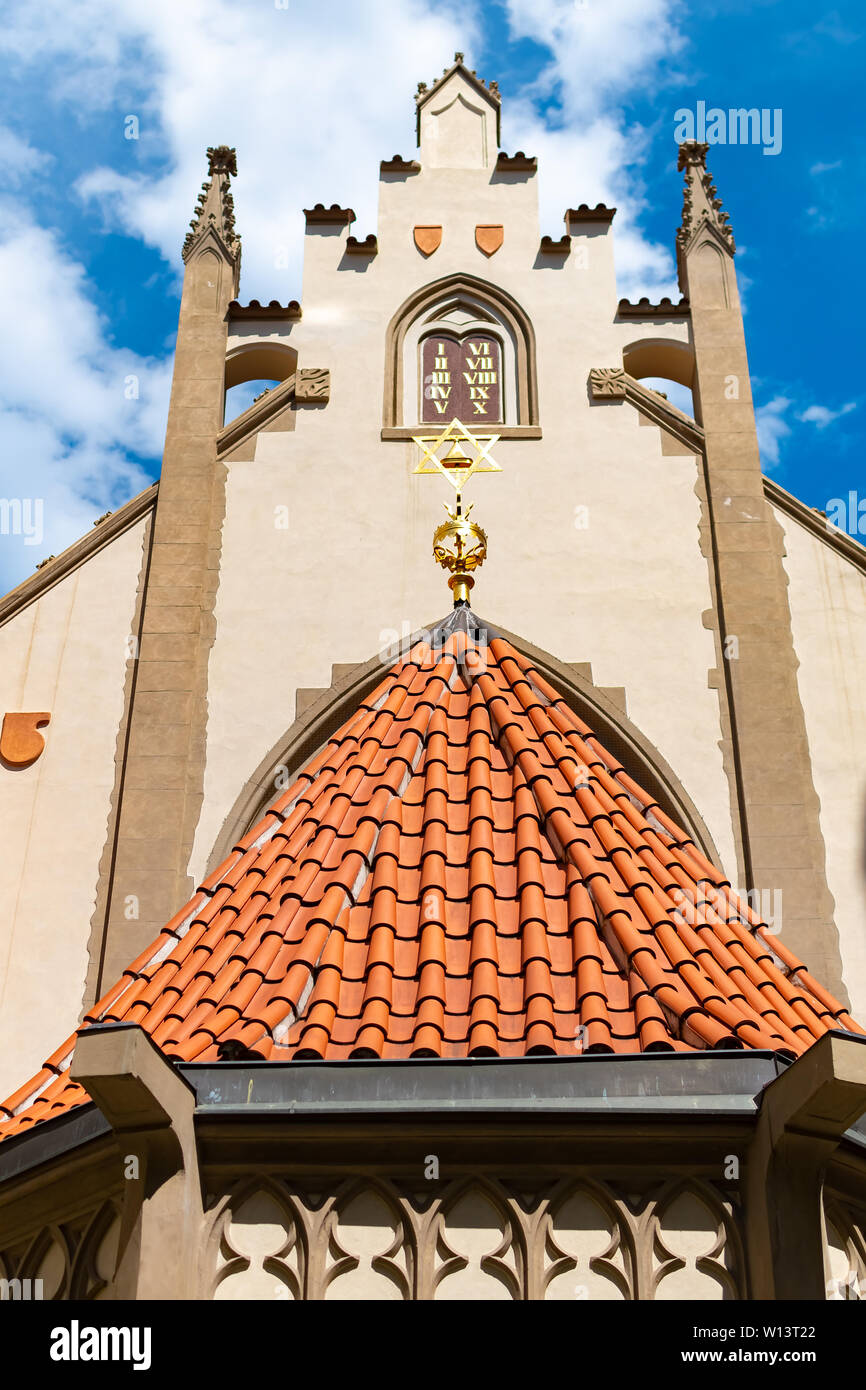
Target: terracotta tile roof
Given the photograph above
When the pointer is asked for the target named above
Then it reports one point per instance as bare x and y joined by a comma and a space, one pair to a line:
462, 871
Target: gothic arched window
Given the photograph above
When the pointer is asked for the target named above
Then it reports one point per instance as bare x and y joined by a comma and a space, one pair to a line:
460, 348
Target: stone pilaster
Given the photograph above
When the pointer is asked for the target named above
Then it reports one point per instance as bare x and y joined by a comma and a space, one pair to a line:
783, 847
163, 772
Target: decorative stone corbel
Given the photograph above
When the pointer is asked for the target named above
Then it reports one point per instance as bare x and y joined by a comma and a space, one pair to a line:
607, 382
615, 383
313, 384
150, 1109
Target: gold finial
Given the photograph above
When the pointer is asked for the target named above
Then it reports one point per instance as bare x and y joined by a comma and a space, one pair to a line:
459, 545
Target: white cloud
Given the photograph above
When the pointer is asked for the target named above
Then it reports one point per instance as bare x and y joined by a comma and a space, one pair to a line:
822, 416
310, 118
820, 168
772, 429
599, 53
292, 106
311, 97
69, 416
18, 158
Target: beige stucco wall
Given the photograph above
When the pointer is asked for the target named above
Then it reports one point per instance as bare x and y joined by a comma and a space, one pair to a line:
66, 652
627, 593
828, 618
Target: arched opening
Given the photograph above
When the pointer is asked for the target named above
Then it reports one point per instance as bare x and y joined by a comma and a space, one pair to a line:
660, 357
673, 391
664, 365
468, 311
253, 368
239, 398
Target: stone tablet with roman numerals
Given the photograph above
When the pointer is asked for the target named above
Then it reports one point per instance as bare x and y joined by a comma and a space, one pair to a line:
461, 379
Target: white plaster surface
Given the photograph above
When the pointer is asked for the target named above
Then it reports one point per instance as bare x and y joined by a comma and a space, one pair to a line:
65, 653
354, 564
827, 595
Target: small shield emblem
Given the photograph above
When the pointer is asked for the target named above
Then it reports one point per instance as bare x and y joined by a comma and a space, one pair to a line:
20, 741
427, 239
489, 237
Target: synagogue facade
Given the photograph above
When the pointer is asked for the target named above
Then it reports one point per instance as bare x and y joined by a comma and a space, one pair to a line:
499, 939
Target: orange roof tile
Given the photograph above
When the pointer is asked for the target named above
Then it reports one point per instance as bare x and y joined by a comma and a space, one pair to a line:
463, 870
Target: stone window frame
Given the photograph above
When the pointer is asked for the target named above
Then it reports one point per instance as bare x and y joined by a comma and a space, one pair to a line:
515, 328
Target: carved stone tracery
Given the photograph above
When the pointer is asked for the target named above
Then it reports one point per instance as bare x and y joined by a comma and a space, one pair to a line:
474, 1239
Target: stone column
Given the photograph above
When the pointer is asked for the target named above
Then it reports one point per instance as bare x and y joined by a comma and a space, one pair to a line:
803, 1116
782, 843
162, 777
150, 1108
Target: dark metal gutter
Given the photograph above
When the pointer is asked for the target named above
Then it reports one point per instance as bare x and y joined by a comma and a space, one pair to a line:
50, 1140
721, 1085
649, 1084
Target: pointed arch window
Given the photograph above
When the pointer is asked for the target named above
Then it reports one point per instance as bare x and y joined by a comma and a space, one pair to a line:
460, 348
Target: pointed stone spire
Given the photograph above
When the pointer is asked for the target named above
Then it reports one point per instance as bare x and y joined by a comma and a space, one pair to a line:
215, 211
701, 205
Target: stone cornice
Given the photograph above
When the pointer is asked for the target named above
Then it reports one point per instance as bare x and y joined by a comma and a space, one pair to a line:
408, 432
334, 216
584, 213
398, 165
368, 247
614, 383
816, 522
549, 246
52, 571
518, 163
255, 310
665, 309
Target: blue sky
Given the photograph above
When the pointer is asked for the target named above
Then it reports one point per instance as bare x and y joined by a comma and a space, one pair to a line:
91, 223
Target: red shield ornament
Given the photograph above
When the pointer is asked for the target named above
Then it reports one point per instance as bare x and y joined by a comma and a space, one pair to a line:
489, 237
427, 239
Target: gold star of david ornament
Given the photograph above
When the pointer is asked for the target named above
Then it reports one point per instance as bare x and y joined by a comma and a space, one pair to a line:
456, 454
